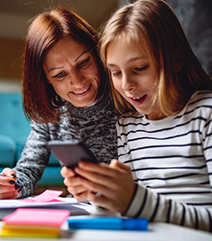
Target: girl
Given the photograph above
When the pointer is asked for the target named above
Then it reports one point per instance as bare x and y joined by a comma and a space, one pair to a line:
165, 131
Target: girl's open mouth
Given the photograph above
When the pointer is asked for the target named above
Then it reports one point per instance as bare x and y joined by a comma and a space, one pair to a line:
138, 100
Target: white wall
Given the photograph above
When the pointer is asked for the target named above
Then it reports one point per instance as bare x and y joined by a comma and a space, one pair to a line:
10, 85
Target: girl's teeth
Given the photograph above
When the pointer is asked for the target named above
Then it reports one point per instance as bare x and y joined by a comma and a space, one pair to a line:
137, 98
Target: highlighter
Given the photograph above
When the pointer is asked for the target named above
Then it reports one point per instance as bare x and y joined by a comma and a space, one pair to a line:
109, 223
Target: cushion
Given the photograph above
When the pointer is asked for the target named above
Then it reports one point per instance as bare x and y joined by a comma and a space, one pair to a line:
53, 161
51, 176
7, 151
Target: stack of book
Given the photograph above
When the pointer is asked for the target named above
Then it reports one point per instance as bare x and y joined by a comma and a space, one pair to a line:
37, 223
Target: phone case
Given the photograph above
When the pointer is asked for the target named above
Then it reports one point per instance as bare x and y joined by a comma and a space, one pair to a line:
70, 152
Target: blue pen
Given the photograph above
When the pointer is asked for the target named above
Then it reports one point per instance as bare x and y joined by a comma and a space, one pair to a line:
109, 223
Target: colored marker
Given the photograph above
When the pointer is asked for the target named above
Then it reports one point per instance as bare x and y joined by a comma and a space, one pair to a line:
109, 223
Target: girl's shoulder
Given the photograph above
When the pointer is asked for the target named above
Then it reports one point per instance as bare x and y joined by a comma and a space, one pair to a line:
200, 98
199, 104
130, 118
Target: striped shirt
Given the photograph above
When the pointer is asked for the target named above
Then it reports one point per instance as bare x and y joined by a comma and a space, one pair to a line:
171, 162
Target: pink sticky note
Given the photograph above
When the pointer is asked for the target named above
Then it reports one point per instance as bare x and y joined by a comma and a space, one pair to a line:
46, 196
30, 216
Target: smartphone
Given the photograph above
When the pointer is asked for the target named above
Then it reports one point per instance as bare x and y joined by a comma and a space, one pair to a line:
70, 152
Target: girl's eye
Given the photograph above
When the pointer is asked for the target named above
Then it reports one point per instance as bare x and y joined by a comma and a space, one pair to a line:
116, 73
84, 63
60, 75
142, 68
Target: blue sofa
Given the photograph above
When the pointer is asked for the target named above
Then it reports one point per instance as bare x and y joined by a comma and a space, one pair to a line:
14, 129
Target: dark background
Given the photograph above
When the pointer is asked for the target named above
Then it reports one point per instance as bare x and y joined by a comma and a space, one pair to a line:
196, 19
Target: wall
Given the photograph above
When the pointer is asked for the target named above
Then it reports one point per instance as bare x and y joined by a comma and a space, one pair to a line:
196, 19
15, 18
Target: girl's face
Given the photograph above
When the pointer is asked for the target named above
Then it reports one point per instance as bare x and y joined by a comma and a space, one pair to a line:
133, 76
71, 69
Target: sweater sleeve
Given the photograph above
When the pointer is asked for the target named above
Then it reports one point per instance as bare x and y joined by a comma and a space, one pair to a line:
156, 207
33, 160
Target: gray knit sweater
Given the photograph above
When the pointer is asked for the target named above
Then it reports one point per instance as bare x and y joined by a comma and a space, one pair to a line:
94, 125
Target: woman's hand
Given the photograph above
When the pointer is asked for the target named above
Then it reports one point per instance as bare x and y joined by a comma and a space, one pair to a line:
110, 186
7, 184
73, 186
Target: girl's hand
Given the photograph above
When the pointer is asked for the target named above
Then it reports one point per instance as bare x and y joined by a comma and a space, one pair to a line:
73, 186
7, 184
110, 186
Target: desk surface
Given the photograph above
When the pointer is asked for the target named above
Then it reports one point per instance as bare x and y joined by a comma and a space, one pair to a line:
156, 232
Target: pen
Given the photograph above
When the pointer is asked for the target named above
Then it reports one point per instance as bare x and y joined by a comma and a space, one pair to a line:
108, 223
16, 185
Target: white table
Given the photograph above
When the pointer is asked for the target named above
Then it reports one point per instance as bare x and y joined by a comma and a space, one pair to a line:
156, 232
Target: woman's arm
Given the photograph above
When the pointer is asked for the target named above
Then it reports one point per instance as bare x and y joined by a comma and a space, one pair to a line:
34, 159
8, 189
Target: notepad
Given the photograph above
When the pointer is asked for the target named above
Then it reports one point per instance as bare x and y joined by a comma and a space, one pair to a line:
28, 222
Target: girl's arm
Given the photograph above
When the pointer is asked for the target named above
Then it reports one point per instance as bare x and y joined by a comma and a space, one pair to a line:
113, 187
156, 207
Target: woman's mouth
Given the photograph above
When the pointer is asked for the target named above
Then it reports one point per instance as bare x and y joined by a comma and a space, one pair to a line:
81, 92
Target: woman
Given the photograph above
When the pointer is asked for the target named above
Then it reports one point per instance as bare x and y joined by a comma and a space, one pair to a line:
66, 96
164, 133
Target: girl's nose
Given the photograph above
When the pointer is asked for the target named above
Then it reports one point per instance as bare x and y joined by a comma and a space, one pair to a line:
127, 83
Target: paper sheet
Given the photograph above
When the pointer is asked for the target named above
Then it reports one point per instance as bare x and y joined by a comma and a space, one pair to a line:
47, 198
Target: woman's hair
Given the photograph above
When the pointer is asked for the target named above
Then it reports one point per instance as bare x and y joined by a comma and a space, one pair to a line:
40, 101
153, 26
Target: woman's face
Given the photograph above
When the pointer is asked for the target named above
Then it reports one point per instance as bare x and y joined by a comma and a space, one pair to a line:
71, 69
133, 76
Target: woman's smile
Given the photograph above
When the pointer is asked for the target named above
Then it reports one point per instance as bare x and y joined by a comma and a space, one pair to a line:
71, 69
85, 91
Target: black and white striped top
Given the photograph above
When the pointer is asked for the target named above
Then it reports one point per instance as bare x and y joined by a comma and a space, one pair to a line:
171, 161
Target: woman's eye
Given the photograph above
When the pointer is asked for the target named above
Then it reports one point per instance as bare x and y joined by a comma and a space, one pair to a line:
83, 63
60, 75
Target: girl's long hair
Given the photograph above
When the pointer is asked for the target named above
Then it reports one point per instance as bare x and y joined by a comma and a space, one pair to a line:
154, 27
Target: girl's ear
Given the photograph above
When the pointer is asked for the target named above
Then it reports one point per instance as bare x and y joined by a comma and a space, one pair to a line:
179, 61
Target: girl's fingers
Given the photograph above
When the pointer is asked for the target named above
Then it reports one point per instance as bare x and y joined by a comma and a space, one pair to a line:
76, 189
81, 196
99, 168
95, 187
112, 175
67, 172
116, 164
114, 184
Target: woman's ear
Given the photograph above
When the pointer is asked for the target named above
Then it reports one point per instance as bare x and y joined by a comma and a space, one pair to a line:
179, 61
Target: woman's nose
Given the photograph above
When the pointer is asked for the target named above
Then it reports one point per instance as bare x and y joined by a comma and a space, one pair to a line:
75, 78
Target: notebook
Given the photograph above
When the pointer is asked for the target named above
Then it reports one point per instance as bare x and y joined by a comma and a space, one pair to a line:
29, 222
